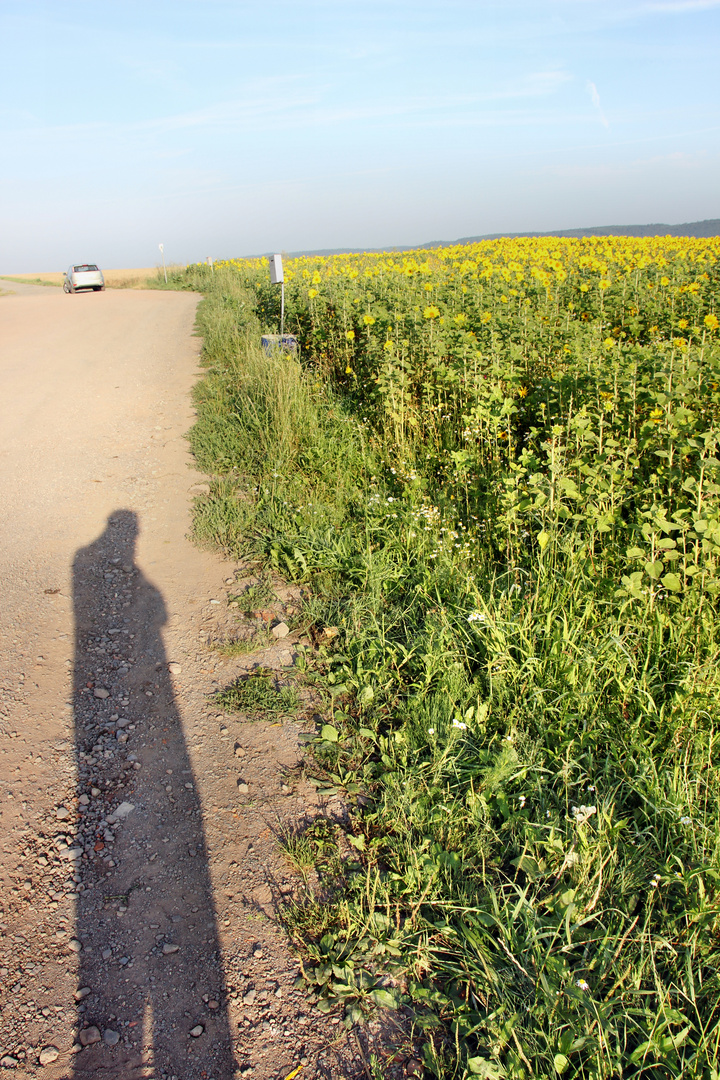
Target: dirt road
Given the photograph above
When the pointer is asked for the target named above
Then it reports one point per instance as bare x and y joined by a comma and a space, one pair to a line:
140, 873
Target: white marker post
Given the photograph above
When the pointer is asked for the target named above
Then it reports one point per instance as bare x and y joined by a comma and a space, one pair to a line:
277, 278
162, 252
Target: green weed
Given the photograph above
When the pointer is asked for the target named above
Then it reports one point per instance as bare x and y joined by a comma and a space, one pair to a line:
242, 646
256, 596
257, 693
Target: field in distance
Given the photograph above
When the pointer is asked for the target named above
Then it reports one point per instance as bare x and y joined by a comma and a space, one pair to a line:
114, 279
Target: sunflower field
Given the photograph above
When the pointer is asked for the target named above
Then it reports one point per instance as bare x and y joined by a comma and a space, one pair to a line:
496, 468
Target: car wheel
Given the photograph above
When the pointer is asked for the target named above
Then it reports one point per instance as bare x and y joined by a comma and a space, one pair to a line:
102, 288
66, 287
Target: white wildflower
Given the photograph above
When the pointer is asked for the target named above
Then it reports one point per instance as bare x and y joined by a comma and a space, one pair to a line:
581, 814
582, 985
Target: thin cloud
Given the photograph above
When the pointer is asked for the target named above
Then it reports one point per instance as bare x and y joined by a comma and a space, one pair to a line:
595, 98
279, 103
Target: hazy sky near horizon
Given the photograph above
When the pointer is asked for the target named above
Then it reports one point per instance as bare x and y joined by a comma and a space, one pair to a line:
222, 127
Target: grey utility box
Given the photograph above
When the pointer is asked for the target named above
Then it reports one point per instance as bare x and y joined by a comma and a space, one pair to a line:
279, 343
276, 270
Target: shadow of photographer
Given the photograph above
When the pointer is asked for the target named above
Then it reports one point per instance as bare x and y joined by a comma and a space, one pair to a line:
150, 980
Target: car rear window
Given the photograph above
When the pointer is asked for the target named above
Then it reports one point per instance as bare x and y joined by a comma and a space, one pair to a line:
83, 268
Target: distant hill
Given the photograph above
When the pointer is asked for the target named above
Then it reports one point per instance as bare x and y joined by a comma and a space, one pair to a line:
711, 227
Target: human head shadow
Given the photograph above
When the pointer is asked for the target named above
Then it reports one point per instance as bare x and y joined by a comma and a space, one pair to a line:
150, 969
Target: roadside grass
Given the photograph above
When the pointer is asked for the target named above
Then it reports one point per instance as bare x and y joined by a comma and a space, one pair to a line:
242, 646
522, 718
31, 281
138, 282
256, 596
257, 693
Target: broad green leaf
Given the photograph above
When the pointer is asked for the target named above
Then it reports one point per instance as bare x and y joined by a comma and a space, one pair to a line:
488, 1070
354, 1014
634, 553
654, 569
384, 999
530, 866
569, 487
543, 539
561, 1063
672, 582
366, 695
329, 733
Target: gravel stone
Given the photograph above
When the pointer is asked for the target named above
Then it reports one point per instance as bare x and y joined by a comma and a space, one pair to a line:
89, 1036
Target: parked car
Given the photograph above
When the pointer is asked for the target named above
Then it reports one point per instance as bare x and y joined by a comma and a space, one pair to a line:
83, 276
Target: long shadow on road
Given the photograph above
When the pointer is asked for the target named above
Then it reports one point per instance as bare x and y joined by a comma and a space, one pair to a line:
150, 994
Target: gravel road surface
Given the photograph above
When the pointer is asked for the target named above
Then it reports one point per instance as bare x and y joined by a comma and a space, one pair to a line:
140, 874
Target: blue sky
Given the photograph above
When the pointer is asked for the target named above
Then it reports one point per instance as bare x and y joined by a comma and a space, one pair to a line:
223, 128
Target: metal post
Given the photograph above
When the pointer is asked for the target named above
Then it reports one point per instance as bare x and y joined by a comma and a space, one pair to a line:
162, 252
278, 278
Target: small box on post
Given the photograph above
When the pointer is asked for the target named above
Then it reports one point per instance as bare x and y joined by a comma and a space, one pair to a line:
280, 343
276, 270
276, 278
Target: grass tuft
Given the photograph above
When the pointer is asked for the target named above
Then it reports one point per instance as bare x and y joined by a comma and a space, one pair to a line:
257, 693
